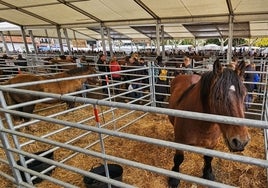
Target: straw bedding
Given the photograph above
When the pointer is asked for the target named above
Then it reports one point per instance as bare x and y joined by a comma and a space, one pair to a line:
154, 126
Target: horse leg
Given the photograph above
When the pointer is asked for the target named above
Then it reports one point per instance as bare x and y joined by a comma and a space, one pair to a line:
207, 171
70, 104
178, 159
28, 109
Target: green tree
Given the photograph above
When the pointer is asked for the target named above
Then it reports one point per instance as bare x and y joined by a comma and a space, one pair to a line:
187, 41
262, 42
237, 42
213, 41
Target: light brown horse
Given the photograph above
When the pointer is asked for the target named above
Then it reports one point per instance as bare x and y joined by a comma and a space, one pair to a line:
58, 87
220, 92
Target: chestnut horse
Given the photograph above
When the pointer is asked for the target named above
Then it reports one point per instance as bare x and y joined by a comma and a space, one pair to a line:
220, 92
58, 87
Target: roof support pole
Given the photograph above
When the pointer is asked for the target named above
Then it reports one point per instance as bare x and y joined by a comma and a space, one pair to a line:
110, 42
230, 40
222, 44
13, 47
60, 40
49, 39
76, 43
23, 34
102, 39
157, 38
4, 42
163, 41
46, 33
33, 41
67, 41
195, 45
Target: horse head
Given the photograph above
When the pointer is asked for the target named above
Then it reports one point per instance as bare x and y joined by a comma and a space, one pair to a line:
95, 80
85, 70
226, 97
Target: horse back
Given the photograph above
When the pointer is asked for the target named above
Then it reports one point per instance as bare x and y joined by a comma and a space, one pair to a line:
21, 78
15, 98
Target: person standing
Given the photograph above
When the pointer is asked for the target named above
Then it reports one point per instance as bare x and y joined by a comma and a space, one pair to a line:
187, 65
80, 61
144, 72
134, 64
103, 68
115, 74
161, 84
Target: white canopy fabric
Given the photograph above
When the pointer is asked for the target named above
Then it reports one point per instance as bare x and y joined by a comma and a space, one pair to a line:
137, 19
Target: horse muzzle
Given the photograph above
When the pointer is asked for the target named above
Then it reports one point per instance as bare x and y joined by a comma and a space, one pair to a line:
237, 144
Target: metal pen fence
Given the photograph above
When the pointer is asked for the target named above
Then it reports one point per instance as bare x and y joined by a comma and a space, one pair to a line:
96, 120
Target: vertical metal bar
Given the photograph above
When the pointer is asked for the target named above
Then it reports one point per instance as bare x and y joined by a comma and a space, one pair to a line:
6, 145
9, 155
265, 115
33, 41
4, 42
230, 41
163, 41
96, 114
222, 45
60, 40
152, 82
157, 38
10, 37
110, 42
23, 34
103, 39
110, 99
67, 40
75, 41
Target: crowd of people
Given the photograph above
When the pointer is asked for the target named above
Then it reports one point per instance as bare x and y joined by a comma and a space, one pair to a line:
135, 61
136, 75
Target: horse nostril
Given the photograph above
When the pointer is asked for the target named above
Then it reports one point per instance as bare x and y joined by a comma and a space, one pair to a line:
238, 145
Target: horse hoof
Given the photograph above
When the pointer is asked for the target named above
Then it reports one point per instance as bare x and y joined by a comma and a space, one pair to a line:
173, 183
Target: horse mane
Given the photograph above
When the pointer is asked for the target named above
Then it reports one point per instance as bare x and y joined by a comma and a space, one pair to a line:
185, 93
221, 85
206, 80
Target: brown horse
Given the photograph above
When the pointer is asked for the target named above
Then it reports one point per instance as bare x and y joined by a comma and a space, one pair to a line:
58, 87
220, 92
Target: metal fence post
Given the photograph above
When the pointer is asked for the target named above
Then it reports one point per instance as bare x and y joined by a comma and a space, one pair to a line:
152, 83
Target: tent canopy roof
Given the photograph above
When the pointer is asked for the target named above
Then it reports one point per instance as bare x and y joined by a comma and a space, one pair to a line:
137, 19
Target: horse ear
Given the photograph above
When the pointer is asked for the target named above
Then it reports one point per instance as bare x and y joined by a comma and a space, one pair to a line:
217, 67
240, 69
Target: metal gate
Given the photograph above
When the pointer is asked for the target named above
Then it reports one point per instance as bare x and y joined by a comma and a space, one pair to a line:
95, 121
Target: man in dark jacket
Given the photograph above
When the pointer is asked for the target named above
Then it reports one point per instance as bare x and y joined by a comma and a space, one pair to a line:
103, 67
133, 64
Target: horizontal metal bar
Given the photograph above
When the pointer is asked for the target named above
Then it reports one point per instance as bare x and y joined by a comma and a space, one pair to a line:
177, 146
200, 181
171, 112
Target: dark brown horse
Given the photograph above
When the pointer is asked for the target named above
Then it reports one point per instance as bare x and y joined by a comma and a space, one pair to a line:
58, 87
220, 92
